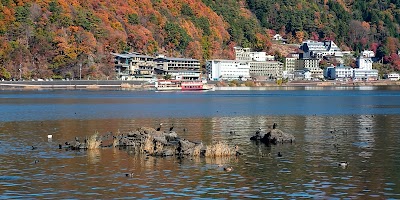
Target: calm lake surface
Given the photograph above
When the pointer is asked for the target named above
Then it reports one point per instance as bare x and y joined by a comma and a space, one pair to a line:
359, 125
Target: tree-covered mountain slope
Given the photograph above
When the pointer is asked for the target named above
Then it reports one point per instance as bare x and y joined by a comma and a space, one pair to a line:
53, 38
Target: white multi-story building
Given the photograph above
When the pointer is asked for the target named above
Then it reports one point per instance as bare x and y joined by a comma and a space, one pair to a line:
364, 63
364, 69
339, 72
315, 49
364, 74
228, 70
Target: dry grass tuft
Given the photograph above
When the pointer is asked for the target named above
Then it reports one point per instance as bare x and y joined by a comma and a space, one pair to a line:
219, 149
93, 142
115, 140
148, 145
197, 150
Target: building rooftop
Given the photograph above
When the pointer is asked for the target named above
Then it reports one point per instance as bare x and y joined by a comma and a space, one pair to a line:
131, 55
177, 59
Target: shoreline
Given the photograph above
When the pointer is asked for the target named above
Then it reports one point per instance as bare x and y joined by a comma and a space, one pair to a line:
143, 85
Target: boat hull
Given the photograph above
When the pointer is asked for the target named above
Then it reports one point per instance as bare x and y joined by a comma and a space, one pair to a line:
183, 86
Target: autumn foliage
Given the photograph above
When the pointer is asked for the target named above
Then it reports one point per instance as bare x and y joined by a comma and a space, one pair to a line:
55, 38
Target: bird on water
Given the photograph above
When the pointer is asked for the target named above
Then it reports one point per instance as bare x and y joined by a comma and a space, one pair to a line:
228, 169
258, 132
343, 164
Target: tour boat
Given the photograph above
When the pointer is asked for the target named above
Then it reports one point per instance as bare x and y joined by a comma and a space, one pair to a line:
182, 85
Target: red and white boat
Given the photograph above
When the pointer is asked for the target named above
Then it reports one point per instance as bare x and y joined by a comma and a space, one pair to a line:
182, 85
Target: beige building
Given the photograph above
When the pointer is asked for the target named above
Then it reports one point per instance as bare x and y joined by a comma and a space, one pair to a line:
133, 65
312, 64
187, 68
266, 69
290, 64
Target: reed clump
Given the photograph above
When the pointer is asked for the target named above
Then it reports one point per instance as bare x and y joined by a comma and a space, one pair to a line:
115, 140
148, 145
93, 142
219, 149
197, 150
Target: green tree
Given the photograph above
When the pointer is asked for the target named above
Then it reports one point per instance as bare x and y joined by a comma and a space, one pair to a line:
186, 10
177, 36
133, 19
4, 74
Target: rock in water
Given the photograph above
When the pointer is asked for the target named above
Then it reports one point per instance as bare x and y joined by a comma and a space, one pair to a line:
276, 136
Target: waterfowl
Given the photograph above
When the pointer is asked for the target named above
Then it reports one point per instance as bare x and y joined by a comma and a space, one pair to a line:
172, 127
129, 174
279, 154
258, 132
159, 128
228, 169
274, 126
49, 136
232, 132
59, 146
33, 147
343, 164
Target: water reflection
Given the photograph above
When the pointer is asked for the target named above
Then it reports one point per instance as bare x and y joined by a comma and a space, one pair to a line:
307, 168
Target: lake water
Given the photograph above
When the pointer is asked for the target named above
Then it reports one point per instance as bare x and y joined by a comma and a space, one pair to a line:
365, 119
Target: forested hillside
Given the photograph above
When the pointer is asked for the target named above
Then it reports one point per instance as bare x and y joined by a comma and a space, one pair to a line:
353, 24
53, 38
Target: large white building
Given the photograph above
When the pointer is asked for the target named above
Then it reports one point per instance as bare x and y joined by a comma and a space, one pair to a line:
339, 72
364, 70
228, 70
315, 49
